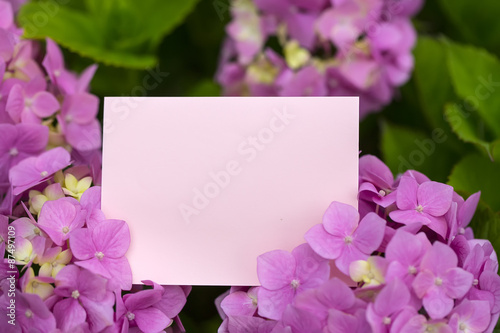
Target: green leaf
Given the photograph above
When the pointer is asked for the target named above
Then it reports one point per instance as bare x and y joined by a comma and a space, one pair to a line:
478, 173
405, 148
115, 32
433, 84
475, 76
432, 79
465, 129
477, 21
205, 88
486, 225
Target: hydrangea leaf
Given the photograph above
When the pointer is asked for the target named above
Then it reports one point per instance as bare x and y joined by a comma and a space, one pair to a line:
432, 80
478, 173
205, 88
486, 225
478, 24
406, 148
123, 33
466, 130
433, 85
475, 75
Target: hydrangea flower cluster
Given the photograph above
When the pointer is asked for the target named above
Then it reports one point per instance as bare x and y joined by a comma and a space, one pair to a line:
319, 48
42, 104
406, 262
64, 267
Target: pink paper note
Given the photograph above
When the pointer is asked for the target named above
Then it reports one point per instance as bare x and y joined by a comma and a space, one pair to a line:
208, 184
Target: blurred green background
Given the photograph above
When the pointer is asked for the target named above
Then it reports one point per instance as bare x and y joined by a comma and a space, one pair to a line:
444, 122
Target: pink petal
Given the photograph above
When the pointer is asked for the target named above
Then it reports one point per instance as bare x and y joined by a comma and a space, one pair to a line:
85, 78
142, 299
151, 320
68, 277
84, 137
341, 322
300, 320
439, 259
358, 72
44, 104
92, 286
409, 216
438, 224
173, 300
6, 45
81, 245
323, 243
336, 294
81, 107
8, 136
112, 237
276, 269
373, 170
340, 219
387, 36
396, 270
32, 139
272, 303
476, 314
467, 210
120, 271
457, 282
423, 282
392, 298
238, 304
53, 60
406, 247
437, 304
369, 234
6, 15
91, 198
490, 282
301, 28
15, 103
407, 193
95, 266
54, 217
435, 197
350, 254
99, 314
69, 314
311, 269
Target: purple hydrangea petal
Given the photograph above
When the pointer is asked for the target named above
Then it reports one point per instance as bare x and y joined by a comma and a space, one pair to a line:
340, 219
369, 234
407, 193
275, 269
435, 198
323, 243
112, 237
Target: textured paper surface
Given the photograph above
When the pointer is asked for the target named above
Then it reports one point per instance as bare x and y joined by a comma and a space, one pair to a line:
208, 184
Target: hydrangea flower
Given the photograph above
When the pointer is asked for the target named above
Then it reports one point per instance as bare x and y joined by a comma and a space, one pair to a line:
31, 103
412, 277
85, 299
34, 170
49, 146
427, 203
137, 310
342, 239
440, 281
283, 275
102, 251
326, 48
18, 142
